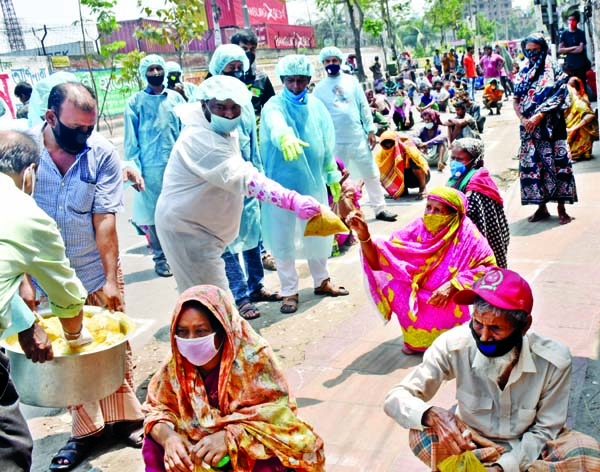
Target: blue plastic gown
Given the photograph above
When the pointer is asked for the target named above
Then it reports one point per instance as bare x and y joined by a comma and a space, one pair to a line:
249, 235
151, 129
283, 232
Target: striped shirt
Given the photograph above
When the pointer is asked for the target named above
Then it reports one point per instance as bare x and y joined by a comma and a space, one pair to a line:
93, 184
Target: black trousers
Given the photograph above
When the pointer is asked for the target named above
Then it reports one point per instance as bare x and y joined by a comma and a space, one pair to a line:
15, 439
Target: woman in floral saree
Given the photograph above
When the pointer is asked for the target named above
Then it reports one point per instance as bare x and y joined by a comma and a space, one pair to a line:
223, 393
416, 271
582, 122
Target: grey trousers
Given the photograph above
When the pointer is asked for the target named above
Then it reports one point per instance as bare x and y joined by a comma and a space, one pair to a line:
15, 439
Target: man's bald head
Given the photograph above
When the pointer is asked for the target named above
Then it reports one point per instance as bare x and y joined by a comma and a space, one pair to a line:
17, 152
80, 95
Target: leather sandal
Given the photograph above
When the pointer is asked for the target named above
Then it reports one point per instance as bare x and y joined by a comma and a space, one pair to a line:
327, 288
265, 296
289, 304
248, 311
74, 452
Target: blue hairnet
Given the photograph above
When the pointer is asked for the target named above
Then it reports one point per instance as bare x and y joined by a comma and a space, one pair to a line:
38, 103
223, 87
294, 64
331, 51
172, 66
225, 54
148, 61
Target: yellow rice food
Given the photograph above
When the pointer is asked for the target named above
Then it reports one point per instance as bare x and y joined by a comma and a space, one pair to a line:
105, 327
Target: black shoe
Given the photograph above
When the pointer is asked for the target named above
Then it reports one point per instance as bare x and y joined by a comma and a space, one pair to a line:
385, 215
162, 269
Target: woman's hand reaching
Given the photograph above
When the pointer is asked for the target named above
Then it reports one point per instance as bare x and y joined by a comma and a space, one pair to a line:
443, 295
357, 223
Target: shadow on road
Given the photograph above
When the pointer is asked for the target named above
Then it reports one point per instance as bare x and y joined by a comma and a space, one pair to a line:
139, 276
523, 227
383, 360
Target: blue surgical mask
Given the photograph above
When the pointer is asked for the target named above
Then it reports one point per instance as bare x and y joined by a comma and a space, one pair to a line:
301, 98
224, 125
457, 169
333, 69
238, 74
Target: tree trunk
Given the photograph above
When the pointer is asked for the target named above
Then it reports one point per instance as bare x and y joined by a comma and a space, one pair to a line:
356, 22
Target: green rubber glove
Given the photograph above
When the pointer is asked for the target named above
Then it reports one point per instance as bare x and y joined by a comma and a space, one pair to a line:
336, 191
291, 146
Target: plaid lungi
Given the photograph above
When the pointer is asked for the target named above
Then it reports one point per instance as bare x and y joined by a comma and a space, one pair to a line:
571, 451
122, 405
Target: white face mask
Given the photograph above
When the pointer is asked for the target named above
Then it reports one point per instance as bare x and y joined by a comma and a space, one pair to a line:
199, 351
428, 125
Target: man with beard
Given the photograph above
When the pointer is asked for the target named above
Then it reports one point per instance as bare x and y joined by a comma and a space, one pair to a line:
512, 388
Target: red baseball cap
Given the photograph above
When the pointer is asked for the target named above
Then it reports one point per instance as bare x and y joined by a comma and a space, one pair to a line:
502, 288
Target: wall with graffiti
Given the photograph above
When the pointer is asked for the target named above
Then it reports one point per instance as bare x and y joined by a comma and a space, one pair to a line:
19, 69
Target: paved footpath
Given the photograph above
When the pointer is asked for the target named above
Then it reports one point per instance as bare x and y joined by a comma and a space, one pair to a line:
341, 360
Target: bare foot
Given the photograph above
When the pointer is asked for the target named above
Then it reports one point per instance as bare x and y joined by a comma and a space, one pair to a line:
540, 214
408, 350
564, 218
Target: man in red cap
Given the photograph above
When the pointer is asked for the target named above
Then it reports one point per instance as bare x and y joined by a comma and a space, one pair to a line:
512, 389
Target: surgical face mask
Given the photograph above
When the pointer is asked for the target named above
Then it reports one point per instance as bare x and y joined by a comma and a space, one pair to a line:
224, 125
436, 223
155, 80
251, 57
457, 169
333, 69
71, 140
498, 348
428, 125
199, 351
238, 74
300, 98
572, 24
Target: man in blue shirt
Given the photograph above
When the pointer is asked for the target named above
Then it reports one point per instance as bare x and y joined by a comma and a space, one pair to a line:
80, 187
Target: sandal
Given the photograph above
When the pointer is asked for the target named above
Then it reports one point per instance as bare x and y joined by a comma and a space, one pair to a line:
130, 432
248, 311
266, 296
289, 304
327, 288
74, 452
268, 262
539, 216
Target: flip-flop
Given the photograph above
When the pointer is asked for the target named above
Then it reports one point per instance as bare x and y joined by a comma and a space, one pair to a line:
248, 311
130, 432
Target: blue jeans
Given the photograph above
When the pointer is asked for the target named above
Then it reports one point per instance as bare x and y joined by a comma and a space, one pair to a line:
158, 255
242, 286
471, 88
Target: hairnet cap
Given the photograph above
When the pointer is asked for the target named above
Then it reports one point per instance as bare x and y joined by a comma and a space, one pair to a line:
224, 87
331, 51
225, 54
152, 59
38, 103
294, 64
172, 66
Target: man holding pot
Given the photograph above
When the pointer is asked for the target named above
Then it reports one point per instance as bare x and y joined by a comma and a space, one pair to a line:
30, 243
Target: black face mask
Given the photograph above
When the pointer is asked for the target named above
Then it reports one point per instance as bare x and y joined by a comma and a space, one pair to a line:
251, 57
155, 80
71, 140
173, 79
498, 348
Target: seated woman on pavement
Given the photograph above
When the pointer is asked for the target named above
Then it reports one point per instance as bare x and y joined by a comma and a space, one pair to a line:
223, 393
401, 166
402, 115
582, 122
417, 270
431, 141
512, 389
486, 207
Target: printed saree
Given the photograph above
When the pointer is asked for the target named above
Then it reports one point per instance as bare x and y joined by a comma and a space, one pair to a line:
414, 263
255, 407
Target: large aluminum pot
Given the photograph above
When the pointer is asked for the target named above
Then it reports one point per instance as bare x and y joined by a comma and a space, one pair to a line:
69, 379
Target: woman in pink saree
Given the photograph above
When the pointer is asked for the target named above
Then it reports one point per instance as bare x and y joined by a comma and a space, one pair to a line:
416, 272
